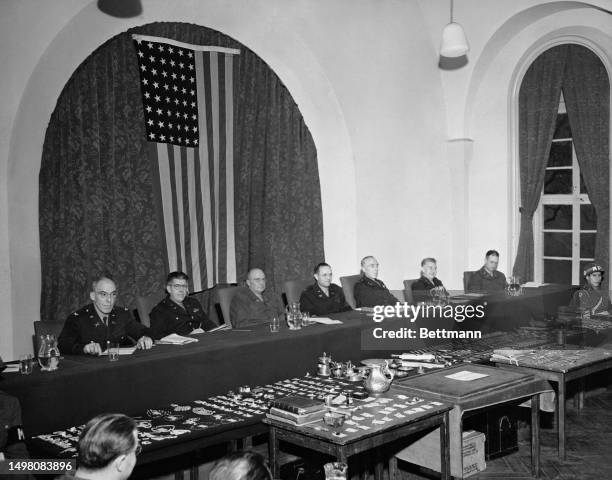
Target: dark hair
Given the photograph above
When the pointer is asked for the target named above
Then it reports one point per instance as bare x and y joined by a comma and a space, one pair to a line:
179, 275
99, 277
319, 265
244, 465
428, 259
104, 438
492, 252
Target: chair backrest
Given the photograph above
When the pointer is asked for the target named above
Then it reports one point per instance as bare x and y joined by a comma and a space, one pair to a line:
44, 328
225, 302
399, 294
408, 290
467, 276
348, 285
293, 289
145, 304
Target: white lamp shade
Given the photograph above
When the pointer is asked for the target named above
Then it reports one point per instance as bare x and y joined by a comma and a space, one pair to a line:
454, 43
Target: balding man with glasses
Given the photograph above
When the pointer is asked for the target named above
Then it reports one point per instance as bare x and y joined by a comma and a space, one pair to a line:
178, 312
90, 329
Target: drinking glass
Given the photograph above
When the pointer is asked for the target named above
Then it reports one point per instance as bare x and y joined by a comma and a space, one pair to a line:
274, 325
113, 351
25, 364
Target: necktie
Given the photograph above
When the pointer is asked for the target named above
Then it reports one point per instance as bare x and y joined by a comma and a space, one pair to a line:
105, 320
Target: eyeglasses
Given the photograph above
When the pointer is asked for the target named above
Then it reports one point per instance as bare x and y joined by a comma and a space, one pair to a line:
180, 286
106, 295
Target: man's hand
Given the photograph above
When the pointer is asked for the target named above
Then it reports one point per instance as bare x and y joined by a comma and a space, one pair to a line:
92, 348
144, 343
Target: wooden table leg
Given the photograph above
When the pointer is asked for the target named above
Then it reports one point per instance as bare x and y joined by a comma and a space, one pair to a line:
535, 436
379, 469
393, 467
273, 453
444, 449
582, 387
561, 417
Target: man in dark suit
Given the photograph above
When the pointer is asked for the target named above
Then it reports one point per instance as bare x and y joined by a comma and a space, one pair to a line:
178, 312
488, 278
323, 297
256, 305
369, 290
89, 329
428, 285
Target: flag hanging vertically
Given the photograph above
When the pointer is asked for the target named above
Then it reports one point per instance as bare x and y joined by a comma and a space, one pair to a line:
187, 95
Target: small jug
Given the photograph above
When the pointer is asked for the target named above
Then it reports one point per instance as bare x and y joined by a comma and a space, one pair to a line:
48, 354
379, 379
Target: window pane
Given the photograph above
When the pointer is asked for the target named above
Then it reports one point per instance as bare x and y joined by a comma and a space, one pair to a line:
560, 154
588, 219
562, 129
558, 271
557, 217
558, 245
587, 245
558, 181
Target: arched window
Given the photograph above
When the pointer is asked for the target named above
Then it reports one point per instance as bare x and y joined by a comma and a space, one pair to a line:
564, 130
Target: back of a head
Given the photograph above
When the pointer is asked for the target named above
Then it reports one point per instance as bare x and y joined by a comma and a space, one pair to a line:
241, 466
104, 438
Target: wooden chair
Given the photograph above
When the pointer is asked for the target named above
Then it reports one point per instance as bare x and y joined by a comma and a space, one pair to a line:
44, 328
225, 302
348, 285
144, 304
467, 276
408, 290
293, 289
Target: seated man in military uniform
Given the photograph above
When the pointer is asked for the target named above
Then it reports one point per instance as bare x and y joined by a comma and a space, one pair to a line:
89, 329
591, 297
178, 312
255, 305
369, 291
426, 287
488, 278
323, 297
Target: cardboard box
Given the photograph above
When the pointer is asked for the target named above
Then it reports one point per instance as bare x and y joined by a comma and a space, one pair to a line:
426, 453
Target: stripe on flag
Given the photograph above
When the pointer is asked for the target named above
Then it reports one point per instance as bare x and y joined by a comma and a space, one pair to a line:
187, 93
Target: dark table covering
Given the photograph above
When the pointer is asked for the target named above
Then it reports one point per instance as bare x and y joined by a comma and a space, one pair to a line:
86, 386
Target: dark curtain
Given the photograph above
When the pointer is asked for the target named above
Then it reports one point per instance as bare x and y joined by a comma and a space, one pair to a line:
538, 105
586, 89
96, 192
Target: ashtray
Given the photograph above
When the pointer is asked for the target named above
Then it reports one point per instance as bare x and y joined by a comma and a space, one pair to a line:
403, 372
333, 419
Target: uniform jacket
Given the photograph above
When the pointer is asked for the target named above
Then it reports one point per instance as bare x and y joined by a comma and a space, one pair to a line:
369, 293
169, 317
314, 301
591, 298
483, 281
422, 287
247, 309
85, 326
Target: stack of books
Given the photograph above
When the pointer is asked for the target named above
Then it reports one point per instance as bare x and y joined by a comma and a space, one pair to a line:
296, 410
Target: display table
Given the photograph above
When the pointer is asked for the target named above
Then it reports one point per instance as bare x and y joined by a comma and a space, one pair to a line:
490, 386
562, 364
384, 423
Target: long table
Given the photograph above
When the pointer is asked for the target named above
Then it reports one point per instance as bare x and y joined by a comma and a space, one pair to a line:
85, 386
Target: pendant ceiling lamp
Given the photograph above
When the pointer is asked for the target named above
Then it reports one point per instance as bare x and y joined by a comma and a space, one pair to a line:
454, 43
120, 8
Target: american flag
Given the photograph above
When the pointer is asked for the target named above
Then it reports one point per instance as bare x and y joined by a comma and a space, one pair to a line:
187, 96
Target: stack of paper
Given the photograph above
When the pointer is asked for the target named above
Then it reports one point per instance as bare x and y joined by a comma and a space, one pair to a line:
324, 320
174, 339
122, 351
